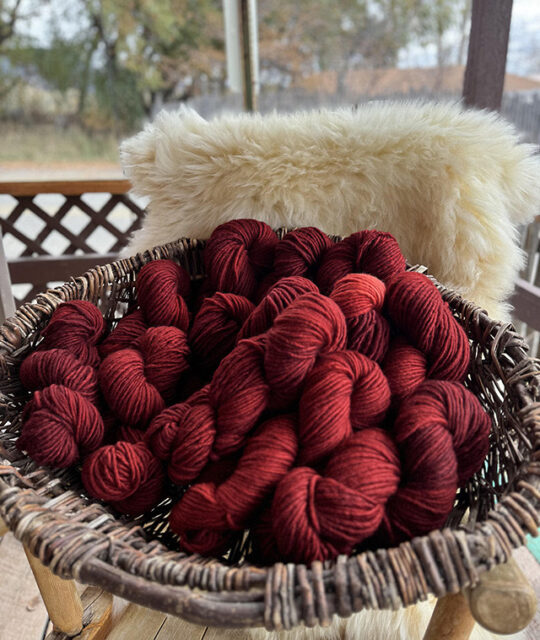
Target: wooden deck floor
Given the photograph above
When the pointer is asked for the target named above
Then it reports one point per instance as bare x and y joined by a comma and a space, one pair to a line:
23, 615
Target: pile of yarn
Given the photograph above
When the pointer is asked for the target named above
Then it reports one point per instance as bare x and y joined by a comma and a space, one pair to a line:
309, 391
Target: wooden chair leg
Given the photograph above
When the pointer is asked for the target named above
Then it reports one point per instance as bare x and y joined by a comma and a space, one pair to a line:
503, 602
3, 528
60, 597
451, 619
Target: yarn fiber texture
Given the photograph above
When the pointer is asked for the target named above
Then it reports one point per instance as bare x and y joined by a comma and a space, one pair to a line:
306, 390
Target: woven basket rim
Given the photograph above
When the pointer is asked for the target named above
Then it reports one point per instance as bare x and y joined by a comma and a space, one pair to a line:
94, 547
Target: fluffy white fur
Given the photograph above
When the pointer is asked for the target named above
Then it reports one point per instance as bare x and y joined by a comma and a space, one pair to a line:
451, 185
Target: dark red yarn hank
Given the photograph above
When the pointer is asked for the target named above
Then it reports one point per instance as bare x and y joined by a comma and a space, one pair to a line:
360, 297
58, 366
238, 255
77, 327
125, 474
128, 329
344, 392
316, 517
211, 507
136, 382
417, 308
328, 420
60, 426
442, 434
300, 253
278, 298
370, 252
162, 287
216, 328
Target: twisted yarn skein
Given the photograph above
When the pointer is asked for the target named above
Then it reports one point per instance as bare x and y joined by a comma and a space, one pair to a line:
360, 297
278, 298
136, 381
372, 252
216, 327
59, 426
229, 505
125, 474
300, 252
162, 287
77, 327
416, 307
344, 392
238, 254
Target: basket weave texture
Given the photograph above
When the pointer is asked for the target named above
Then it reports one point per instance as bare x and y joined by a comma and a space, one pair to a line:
136, 559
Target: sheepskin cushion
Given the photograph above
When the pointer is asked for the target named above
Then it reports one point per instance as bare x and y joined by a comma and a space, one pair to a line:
451, 185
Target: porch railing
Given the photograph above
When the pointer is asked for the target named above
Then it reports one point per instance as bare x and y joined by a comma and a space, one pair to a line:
74, 230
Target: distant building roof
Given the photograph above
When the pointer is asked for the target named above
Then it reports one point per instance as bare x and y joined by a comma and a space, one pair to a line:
376, 82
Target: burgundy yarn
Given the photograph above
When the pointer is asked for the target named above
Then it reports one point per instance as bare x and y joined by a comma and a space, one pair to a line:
166, 356
311, 326
344, 391
417, 309
162, 286
129, 434
58, 366
239, 393
59, 426
136, 382
360, 297
182, 435
77, 327
442, 432
372, 252
405, 368
216, 421
216, 327
278, 298
267, 457
125, 474
238, 254
128, 329
300, 252
317, 517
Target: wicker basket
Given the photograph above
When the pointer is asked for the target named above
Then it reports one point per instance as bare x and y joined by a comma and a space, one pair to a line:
136, 559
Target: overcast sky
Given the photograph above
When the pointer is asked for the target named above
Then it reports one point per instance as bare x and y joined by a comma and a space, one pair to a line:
524, 35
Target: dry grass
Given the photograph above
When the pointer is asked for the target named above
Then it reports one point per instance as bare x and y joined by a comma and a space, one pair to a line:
46, 143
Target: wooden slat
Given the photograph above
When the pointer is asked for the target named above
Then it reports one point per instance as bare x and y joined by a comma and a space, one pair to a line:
486, 61
526, 303
55, 268
178, 629
65, 187
138, 622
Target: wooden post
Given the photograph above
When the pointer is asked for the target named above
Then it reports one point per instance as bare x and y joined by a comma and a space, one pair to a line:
7, 302
60, 597
3, 528
486, 60
250, 94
